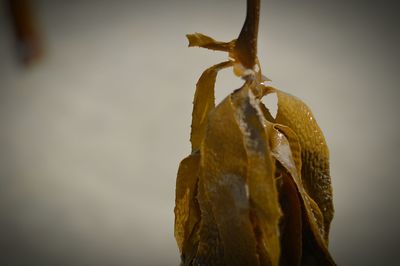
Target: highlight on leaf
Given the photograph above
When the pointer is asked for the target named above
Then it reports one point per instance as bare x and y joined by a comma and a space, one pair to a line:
256, 188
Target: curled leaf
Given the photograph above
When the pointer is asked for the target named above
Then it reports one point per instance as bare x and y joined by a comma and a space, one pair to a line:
204, 103
315, 173
291, 223
256, 189
201, 40
235, 216
187, 211
263, 194
223, 177
286, 151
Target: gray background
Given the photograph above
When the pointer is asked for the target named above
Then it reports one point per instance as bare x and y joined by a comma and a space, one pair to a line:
92, 136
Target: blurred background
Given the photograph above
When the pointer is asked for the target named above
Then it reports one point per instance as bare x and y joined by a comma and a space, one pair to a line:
93, 132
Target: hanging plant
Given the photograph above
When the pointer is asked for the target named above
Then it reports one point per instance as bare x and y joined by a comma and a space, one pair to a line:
255, 189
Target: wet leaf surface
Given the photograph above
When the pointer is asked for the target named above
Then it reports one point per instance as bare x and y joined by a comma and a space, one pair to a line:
256, 189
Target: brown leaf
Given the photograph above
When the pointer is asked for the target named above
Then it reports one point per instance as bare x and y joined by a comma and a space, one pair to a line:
201, 40
223, 178
187, 211
204, 103
296, 115
263, 194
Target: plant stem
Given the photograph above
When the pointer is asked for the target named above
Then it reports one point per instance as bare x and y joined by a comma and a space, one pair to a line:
246, 45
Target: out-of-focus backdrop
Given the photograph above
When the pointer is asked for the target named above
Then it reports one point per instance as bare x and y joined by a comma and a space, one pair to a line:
91, 136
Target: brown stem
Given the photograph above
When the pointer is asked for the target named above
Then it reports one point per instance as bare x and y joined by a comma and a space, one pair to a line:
245, 49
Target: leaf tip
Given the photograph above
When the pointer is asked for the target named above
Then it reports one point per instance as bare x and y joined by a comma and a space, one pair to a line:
192, 39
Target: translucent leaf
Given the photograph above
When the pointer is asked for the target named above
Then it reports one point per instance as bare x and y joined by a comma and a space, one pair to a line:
204, 102
203, 41
247, 168
223, 171
187, 212
315, 173
285, 151
263, 194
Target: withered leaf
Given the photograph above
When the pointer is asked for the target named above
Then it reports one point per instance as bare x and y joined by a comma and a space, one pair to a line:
263, 194
204, 102
223, 177
187, 210
315, 173
201, 40
238, 205
256, 189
